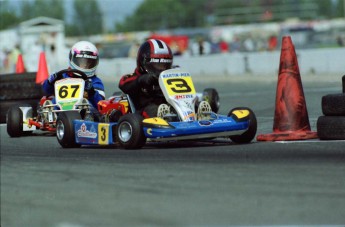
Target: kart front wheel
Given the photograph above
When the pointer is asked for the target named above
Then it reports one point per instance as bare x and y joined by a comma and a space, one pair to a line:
65, 128
129, 131
14, 120
248, 135
211, 96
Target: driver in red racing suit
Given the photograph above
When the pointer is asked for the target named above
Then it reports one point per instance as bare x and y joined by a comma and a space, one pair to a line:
154, 56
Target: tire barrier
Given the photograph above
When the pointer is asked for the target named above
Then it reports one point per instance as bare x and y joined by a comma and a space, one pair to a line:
18, 88
331, 126
333, 104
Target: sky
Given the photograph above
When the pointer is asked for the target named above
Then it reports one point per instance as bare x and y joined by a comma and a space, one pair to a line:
116, 10
113, 10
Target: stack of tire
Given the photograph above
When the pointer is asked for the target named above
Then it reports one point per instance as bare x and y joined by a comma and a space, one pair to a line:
331, 126
17, 89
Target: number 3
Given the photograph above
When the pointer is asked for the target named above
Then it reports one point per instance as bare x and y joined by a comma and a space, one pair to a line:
178, 85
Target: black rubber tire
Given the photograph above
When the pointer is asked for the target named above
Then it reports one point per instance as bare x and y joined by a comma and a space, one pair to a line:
24, 85
343, 82
248, 135
5, 105
14, 120
212, 97
331, 127
131, 124
65, 132
333, 104
18, 88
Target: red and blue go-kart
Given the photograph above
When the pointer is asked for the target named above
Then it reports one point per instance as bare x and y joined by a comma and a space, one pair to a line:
69, 96
176, 120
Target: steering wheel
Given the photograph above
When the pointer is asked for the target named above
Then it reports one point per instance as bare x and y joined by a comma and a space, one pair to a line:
73, 73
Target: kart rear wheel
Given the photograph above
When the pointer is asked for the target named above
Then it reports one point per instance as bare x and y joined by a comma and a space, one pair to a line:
65, 128
14, 120
248, 135
129, 131
211, 96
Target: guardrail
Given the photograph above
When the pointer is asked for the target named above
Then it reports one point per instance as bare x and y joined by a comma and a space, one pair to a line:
311, 61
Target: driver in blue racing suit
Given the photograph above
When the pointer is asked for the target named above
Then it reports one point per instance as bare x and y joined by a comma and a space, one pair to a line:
83, 56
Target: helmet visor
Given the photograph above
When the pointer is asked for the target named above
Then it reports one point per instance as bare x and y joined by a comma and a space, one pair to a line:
157, 68
85, 60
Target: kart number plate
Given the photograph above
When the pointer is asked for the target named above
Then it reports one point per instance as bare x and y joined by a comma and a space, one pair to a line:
103, 134
176, 86
68, 92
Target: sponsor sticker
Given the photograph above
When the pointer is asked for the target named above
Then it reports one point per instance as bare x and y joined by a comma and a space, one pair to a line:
83, 132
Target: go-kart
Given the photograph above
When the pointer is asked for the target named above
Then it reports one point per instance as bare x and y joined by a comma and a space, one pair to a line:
176, 120
68, 97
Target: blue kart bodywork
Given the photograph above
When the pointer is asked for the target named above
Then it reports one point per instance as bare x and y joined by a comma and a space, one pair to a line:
222, 126
156, 129
94, 133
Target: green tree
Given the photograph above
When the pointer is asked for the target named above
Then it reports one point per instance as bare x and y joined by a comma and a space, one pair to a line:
8, 17
329, 10
170, 14
48, 8
167, 14
87, 18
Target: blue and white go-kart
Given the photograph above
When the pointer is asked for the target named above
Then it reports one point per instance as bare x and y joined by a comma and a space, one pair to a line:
177, 120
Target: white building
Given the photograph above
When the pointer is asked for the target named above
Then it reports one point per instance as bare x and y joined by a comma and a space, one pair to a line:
37, 35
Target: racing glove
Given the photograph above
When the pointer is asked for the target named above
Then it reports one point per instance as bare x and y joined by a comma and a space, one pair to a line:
147, 79
52, 78
89, 87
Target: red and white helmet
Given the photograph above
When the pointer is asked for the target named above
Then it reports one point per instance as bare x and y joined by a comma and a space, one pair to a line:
154, 56
83, 56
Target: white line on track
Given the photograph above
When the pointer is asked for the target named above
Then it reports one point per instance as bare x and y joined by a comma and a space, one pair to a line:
311, 141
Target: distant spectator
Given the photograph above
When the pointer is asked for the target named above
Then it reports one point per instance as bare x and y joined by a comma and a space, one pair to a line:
235, 45
133, 50
7, 61
272, 42
201, 47
2, 60
176, 50
249, 44
15, 52
223, 46
340, 41
261, 44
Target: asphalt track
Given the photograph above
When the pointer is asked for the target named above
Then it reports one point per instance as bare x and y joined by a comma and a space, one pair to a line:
182, 184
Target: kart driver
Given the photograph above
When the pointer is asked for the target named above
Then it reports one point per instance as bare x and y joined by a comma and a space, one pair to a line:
83, 56
153, 57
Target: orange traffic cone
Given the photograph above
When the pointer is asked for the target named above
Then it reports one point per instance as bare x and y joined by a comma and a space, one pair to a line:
20, 68
42, 73
291, 121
